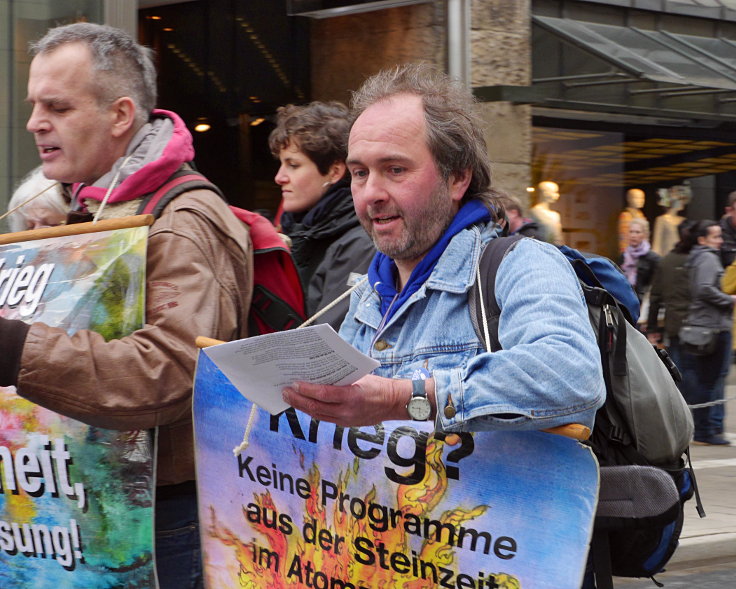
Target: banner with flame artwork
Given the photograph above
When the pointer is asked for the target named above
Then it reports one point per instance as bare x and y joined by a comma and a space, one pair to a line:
314, 505
76, 506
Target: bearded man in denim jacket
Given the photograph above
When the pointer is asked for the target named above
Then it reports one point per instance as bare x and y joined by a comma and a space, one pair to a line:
421, 188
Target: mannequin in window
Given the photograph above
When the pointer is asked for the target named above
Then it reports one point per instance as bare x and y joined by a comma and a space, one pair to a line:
634, 203
548, 220
665, 235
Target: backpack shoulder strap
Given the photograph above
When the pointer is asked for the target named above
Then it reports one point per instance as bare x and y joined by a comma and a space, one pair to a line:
483, 296
278, 299
183, 180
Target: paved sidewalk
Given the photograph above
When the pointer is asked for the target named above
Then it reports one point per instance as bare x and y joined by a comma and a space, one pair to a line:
713, 537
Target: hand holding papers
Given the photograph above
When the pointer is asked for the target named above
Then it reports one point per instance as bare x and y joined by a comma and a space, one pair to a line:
261, 366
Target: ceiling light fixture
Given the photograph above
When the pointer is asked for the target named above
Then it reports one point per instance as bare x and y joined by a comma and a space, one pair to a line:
202, 125
302, 8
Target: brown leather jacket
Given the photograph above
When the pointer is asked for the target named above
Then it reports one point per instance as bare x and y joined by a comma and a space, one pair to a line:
199, 282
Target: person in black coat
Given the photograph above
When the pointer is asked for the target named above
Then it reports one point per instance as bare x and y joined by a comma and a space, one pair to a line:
330, 248
515, 219
728, 231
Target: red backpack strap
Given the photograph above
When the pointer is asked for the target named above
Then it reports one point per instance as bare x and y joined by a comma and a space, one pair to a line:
183, 180
278, 298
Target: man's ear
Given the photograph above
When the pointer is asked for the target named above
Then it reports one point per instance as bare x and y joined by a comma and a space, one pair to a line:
123, 112
458, 184
336, 172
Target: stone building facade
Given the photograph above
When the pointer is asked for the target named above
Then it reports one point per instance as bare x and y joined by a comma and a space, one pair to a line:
345, 50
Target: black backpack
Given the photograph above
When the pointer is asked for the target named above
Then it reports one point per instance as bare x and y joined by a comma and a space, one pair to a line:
641, 433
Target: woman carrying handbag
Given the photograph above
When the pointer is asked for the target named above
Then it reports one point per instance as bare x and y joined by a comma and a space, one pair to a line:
706, 335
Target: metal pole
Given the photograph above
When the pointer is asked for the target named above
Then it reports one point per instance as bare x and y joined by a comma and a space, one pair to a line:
458, 40
122, 14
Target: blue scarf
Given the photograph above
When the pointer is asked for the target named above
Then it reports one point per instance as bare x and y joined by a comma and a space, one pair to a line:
382, 271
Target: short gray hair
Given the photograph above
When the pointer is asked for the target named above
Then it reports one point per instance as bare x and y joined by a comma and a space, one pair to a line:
122, 66
454, 127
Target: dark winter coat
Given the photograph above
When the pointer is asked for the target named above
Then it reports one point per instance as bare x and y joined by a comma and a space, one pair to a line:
671, 290
529, 229
330, 249
645, 268
728, 249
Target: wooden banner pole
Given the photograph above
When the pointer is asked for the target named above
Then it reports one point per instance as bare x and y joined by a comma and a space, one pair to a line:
576, 431
77, 229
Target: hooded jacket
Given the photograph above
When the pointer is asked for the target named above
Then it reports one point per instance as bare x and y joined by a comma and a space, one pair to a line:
198, 282
710, 306
330, 249
671, 290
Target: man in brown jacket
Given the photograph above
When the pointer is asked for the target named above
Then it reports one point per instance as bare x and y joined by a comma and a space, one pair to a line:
92, 89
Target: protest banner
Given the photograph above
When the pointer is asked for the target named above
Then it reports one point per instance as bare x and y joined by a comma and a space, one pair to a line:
76, 506
310, 504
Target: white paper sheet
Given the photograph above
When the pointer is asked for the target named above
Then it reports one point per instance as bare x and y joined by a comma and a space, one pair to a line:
261, 366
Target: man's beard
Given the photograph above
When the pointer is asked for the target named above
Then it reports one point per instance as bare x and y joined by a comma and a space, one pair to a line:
421, 231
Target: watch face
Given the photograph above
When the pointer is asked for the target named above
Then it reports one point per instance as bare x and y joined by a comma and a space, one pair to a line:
419, 408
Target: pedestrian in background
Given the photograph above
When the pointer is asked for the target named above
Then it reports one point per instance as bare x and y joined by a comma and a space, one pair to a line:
711, 308
37, 202
515, 219
329, 246
638, 261
728, 285
728, 231
671, 292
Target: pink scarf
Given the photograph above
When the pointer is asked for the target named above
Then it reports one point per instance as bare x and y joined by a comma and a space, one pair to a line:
631, 257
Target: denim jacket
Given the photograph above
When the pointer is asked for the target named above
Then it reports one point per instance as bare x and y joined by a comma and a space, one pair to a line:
548, 372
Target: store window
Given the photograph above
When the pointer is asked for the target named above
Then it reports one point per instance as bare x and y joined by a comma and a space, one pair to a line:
595, 166
225, 67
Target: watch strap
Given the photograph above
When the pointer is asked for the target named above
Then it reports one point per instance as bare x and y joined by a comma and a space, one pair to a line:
417, 388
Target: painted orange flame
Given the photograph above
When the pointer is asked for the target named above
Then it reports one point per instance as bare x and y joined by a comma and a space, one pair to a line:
285, 562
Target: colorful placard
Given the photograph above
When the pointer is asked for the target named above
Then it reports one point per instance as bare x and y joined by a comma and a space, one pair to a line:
314, 505
76, 505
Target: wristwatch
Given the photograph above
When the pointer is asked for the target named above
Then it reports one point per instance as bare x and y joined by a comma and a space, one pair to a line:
418, 406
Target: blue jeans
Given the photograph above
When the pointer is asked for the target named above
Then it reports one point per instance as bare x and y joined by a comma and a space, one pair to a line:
704, 382
178, 554
675, 351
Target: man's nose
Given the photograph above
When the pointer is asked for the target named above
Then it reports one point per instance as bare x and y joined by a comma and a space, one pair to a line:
374, 188
36, 123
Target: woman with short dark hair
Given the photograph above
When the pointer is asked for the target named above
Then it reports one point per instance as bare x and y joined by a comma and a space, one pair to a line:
329, 246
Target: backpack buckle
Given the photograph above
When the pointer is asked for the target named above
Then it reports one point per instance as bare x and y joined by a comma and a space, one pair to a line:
618, 434
609, 317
